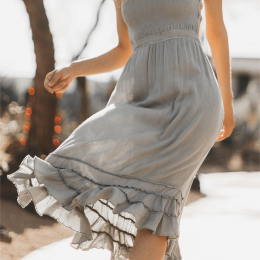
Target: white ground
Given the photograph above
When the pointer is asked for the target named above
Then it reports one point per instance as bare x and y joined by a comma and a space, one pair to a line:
223, 225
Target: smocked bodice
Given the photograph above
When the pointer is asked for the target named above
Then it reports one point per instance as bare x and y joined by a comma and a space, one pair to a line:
146, 18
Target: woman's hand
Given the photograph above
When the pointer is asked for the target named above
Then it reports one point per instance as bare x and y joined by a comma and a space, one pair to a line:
58, 80
228, 123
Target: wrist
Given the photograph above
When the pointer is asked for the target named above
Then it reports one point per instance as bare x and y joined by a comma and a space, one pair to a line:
228, 104
228, 100
73, 69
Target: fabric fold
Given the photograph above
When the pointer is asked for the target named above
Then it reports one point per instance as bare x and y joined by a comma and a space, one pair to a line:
102, 217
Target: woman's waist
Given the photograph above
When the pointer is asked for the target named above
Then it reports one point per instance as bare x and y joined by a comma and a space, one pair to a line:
137, 42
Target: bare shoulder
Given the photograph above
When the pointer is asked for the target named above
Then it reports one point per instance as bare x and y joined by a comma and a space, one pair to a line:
122, 30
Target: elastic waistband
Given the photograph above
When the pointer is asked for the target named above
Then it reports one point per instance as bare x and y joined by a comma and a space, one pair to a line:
178, 33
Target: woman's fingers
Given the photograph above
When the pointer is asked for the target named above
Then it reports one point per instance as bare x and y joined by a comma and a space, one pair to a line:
58, 80
48, 88
62, 89
224, 133
47, 79
50, 75
228, 123
59, 86
57, 76
220, 136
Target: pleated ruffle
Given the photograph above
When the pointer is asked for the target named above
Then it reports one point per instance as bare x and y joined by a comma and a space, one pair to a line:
104, 217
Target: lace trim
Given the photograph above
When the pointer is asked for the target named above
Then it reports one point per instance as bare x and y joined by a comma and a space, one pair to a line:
117, 185
122, 176
129, 201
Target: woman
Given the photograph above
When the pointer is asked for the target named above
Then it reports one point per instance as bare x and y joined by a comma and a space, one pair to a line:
121, 179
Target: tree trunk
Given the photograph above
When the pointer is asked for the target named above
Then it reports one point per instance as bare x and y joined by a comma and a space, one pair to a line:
84, 109
45, 103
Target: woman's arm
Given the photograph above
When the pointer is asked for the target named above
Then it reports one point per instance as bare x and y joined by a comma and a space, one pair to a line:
112, 60
59, 80
217, 37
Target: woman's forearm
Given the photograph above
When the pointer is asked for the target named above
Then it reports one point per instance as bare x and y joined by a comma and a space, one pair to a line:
112, 60
220, 53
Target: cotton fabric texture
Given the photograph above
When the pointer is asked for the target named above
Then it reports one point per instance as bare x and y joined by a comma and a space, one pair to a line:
131, 165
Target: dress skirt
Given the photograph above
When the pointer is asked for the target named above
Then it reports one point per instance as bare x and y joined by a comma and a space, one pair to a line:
131, 165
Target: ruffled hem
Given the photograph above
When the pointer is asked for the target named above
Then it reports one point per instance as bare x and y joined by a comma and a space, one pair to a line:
102, 216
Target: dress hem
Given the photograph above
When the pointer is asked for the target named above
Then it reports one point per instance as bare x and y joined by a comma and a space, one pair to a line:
74, 214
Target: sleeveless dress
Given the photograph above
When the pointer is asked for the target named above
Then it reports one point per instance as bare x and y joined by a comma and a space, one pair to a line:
131, 165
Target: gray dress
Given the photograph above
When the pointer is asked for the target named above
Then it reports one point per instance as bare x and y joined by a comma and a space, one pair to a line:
131, 165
